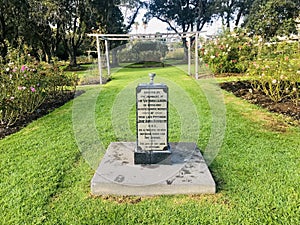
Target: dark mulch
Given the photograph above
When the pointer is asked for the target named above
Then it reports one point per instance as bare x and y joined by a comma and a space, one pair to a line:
44, 109
241, 89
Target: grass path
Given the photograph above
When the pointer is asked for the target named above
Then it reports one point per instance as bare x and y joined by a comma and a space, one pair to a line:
45, 178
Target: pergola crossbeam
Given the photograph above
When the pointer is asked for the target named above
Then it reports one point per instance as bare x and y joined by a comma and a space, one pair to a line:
157, 36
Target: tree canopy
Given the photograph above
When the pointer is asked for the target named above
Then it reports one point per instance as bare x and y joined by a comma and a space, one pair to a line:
269, 18
232, 10
58, 27
182, 15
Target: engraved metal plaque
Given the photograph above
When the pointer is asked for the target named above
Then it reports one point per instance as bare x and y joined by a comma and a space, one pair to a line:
152, 117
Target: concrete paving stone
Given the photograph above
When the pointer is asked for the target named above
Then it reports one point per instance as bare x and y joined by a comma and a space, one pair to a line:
118, 175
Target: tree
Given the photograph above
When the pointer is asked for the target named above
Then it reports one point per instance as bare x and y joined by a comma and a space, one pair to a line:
233, 10
243, 9
28, 21
116, 26
111, 21
269, 18
182, 15
133, 7
78, 17
48, 25
13, 16
74, 26
42, 32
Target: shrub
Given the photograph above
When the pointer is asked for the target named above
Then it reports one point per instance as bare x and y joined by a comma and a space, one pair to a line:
177, 53
83, 59
276, 71
229, 53
26, 84
142, 51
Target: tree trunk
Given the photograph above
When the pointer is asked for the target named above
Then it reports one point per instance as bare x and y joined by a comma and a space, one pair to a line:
73, 61
185, 47
3, 48
228, 21
47, 58
238, 17
46, 51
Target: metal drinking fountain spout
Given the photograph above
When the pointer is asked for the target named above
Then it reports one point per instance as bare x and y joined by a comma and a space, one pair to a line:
152, 75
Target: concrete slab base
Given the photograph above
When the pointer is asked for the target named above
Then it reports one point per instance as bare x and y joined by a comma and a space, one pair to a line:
118, 175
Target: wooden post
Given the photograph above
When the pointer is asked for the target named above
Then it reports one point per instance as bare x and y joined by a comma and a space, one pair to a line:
99, 59
189, 55
196, 56
107, 57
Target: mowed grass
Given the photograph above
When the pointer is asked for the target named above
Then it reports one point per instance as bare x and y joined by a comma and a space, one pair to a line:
46, 180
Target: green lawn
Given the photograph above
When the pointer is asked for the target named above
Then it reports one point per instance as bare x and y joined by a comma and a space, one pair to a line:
46, 168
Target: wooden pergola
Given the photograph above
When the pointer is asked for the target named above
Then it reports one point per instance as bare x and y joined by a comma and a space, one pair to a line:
158, 36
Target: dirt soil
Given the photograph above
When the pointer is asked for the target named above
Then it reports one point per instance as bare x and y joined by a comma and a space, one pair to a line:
44, 109
243, 90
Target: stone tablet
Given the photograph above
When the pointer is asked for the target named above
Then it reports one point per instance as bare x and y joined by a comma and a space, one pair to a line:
151, 122
152, 117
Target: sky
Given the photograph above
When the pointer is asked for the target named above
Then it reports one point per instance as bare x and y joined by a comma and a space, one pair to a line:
156, 25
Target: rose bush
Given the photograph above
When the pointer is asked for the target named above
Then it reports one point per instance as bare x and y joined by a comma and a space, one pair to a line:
26, 83
229, 52
276, 71
273, 67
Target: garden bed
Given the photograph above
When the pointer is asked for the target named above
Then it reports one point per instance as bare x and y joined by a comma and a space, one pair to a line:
240, 89
244, 90
48, 106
